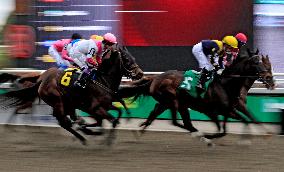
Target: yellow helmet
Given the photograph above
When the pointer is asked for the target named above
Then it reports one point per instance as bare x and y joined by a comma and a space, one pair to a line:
231, 41
220, 45
97, 37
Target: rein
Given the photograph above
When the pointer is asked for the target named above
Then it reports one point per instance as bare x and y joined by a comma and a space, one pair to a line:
240, 76
104, 87
121, 66
128, 71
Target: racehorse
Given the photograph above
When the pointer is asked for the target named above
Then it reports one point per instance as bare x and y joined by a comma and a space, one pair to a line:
166, 90
56, 88
240, 102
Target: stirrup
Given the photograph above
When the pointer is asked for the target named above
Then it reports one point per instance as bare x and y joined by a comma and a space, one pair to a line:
79, 84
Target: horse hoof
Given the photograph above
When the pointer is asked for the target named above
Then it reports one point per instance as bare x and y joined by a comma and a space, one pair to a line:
205, 140
196, 134
115, 123
212, 145
84, 142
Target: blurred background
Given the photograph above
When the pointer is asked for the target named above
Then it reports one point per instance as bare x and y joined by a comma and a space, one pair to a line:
155, 31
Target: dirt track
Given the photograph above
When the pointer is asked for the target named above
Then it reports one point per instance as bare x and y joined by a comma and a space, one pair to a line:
48, 149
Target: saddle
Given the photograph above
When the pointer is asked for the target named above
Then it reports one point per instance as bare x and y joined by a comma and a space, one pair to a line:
190, 81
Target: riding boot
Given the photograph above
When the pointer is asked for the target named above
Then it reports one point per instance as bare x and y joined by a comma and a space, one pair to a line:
82, 79
203, 78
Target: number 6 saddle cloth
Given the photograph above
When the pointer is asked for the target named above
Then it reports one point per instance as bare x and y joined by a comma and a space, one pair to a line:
191, 78
68, 78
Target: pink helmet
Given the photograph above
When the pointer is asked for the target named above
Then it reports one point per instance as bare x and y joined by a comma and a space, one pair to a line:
109, 37
241, 37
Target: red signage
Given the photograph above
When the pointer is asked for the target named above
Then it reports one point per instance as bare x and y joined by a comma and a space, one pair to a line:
51, 0
21, 40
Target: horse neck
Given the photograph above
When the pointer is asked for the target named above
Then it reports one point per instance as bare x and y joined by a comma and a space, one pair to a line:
112, 77
248, 83
234, 85
111, 82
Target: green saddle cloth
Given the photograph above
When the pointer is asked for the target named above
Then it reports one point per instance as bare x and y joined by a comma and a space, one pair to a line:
191, 78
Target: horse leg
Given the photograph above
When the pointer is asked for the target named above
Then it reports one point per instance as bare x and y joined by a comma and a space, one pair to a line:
214, 118
174, 109
103, 113
243, 109
158, 109
122, 102
185, 115
240, 117
65, 122
118, 111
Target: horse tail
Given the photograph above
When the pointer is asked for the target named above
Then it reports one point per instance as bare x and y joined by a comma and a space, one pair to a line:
137, 88
19, 97
4, 77
32, 79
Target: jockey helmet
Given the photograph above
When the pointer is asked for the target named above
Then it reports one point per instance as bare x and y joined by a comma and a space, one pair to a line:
109, 38
220, 45
241, 38
97, 37
230, 41
76, 36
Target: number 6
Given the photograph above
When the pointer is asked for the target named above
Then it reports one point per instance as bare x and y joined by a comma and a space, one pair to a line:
66, 78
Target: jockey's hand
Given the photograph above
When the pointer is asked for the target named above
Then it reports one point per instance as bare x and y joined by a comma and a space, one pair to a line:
216, 66
219, 72
91, 62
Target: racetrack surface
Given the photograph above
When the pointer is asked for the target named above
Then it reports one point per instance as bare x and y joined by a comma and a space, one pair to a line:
50, 149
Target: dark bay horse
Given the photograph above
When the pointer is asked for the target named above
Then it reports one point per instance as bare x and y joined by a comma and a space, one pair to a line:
268, 81
165, 90
55, 87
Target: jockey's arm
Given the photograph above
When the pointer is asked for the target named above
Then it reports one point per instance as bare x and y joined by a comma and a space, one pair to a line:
92, 51
215, 60
64, 54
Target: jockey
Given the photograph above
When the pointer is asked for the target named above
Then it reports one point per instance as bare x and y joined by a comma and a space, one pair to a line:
206, 53
242, 41
89, 53
67, 49
97, 37
231, 50
56, 51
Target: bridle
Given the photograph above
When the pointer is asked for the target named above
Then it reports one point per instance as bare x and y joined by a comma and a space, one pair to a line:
128, 72
257, 76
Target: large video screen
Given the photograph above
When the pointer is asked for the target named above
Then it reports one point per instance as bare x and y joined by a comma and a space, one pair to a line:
159, 33
182, 22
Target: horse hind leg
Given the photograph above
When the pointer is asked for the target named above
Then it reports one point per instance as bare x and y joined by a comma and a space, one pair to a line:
65, 123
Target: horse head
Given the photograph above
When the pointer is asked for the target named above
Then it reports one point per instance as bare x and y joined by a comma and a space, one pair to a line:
124, 63
260, 66
131, 68
249, 68
267, 77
